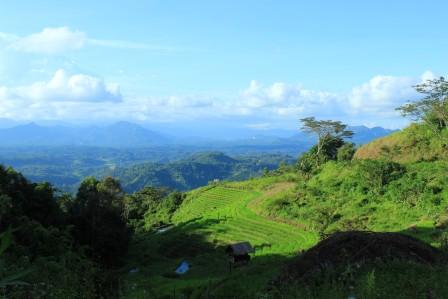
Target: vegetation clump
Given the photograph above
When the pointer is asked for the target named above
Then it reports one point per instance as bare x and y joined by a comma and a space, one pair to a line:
358, 247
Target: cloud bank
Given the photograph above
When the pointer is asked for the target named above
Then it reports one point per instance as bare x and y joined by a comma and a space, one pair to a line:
63, 87
84, 97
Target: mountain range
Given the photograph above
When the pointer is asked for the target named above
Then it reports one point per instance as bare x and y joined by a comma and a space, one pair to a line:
120, 134
130, 135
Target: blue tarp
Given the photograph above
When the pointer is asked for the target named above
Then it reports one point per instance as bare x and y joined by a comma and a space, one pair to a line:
183, 268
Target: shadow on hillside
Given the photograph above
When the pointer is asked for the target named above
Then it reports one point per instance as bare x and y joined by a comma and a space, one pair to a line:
434, 236
211, 276
210, 273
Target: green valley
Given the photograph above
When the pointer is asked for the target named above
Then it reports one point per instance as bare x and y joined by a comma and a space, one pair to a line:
223, 149
341, 222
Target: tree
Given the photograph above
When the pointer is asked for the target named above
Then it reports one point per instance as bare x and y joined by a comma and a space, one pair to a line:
144, 201
97, 215
327, 131
432, 109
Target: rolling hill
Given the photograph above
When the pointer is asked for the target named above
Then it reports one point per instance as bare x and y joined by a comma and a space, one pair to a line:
194, 171
415, 143
285, 213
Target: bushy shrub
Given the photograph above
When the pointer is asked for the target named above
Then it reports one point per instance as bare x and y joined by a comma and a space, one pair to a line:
376, 174
346, 152
306, 163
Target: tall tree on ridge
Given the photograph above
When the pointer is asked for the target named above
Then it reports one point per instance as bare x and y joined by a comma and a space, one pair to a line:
326, 131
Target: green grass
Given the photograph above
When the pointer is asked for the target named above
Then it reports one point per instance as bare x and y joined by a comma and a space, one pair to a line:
415, 143
284, 214
339, 198
210, 219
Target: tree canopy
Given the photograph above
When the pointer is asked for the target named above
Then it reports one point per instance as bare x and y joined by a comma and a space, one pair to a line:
330, 135
97, 213
433, 107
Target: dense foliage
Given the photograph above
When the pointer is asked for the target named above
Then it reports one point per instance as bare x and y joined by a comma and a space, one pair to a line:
432, 109
40, 244
97, 216
195, 171
53, 245
151, 207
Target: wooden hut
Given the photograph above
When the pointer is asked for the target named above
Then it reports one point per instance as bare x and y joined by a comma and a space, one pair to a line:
239, 252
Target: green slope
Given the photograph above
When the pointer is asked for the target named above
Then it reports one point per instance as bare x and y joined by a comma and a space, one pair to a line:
283, 214
415, 143
209, 219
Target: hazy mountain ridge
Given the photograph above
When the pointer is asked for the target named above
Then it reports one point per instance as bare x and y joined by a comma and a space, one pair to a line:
64, 155
121, 134
126, 134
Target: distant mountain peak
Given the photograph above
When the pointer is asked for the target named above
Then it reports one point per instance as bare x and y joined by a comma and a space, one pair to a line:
120, 134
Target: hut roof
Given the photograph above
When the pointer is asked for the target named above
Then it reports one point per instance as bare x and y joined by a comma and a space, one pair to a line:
240, 248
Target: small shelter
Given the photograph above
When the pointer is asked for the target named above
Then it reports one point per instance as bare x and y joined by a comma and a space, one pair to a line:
183, 268
239, 252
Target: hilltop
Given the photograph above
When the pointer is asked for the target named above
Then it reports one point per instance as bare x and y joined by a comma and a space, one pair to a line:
418, 142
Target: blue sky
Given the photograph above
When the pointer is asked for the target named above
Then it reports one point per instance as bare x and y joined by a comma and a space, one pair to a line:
258, 64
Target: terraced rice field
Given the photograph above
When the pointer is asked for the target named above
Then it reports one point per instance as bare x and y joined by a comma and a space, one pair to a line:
239, 223
209, 202
219, 216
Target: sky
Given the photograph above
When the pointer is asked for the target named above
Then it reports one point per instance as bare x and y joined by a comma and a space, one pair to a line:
250, 64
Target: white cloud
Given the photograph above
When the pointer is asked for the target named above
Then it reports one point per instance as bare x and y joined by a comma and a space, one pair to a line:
7, 38
50, 41
56, 40
382, 93
428, 75
64, 87
283, 99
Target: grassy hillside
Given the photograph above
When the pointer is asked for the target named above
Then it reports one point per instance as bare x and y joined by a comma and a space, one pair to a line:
209, 219
281, 215
415, 143
395, 184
